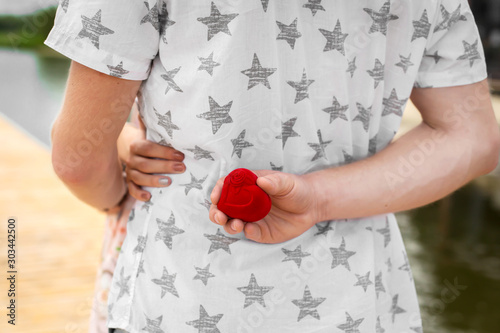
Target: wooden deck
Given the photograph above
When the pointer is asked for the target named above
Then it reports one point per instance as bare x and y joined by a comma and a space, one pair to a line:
58, 237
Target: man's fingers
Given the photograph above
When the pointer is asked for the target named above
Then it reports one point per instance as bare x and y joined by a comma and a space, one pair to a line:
151, 149
277, 184
138, 193
217, 216
234, 226
216, 191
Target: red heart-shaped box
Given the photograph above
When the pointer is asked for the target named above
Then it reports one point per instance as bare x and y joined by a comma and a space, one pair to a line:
242, 199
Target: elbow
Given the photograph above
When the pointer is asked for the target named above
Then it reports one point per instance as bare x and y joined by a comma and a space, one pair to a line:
490, 151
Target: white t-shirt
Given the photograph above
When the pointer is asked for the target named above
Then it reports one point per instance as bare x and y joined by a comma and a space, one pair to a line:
291, 85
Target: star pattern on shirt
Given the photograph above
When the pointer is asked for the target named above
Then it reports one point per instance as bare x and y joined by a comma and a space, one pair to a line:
379, 286
122, 283
386, 232
288, 33
165, 22
378, 328
132, 215
406, 266
218, 115
166, 282
217, 22
348, 158
239, 144
393, 104
200, 153
337, 110
417, 329
372, 145
93, 29
117, 71
363, 116
275, 167
195, 183
377, 73
167, 230
421, 27
295, 255
287, 131
314, 6
301, 87
110, 312
64, 5
141, 244
254, 293
307, 305
165, 121
319, 147
449, 19
435, 56
152, 16
206, 323
169, 77
206, 203
363, 281
208, 64
203, 274
220, 241
258, 74
381, 18
470, 52
153, 325
265, 3
140, 268
323, 228
395, 308
341, 255
351, 67
405, 63
146, 205
335, 39
350, 325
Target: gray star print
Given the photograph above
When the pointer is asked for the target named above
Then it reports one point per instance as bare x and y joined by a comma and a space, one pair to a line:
220, 241
287, 131
301, 87
203, 274
471, 52
319, 147
363, 116
314, 6
378, 328
206, 204
218, 115
275, 167
123, 284
435, 56
164, 142
264, 4
405, 62
323, 228
141, 244
258, 74
422, 27
417, 329
393, 104
288, 33
381, 18
239, 144
377, 73
110, 312
254, 293
295, 255
307, 305
166, 282
386, 232
347, 157
206, 323
334, 39
200, 153
167, 230
350, 326
152, 16
117, 71
195, 183
169, 77
449, 19
389, 264
140, 269
208, 64
341, 256
147, 204
372, 145
379, 287
406, 266
93, 29
132, 215
166, 122
351, 68
64, 5
165, 22
337, 110
153, 325
395, 309
217, 22
363, 280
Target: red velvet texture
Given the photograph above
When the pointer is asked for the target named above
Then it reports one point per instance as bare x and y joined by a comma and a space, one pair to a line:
242, 199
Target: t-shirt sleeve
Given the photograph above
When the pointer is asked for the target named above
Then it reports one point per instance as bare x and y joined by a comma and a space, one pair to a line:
115, 37
454, 54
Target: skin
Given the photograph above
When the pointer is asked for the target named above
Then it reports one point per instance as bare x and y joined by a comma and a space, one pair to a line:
458, 121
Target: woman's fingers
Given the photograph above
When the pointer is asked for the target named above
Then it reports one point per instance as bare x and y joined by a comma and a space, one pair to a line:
151, 149
144, 179
150, 165
137, 192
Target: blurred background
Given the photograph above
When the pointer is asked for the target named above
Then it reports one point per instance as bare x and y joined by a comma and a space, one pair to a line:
455, 241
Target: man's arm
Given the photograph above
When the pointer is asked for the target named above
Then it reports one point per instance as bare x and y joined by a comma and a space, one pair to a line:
84, 152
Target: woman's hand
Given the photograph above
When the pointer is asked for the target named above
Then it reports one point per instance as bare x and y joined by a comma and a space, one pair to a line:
293, 209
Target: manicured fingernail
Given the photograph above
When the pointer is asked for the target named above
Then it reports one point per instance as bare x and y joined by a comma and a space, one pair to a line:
164, 181
216, 219
179, 167
145, 196
178, 155
233, 227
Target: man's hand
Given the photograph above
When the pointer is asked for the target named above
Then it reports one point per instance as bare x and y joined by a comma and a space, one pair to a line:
293, 209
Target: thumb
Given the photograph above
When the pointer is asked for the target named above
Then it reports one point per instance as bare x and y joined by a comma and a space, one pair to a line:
277, 184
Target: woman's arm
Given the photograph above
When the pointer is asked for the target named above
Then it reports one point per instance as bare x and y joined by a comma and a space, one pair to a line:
84, 135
